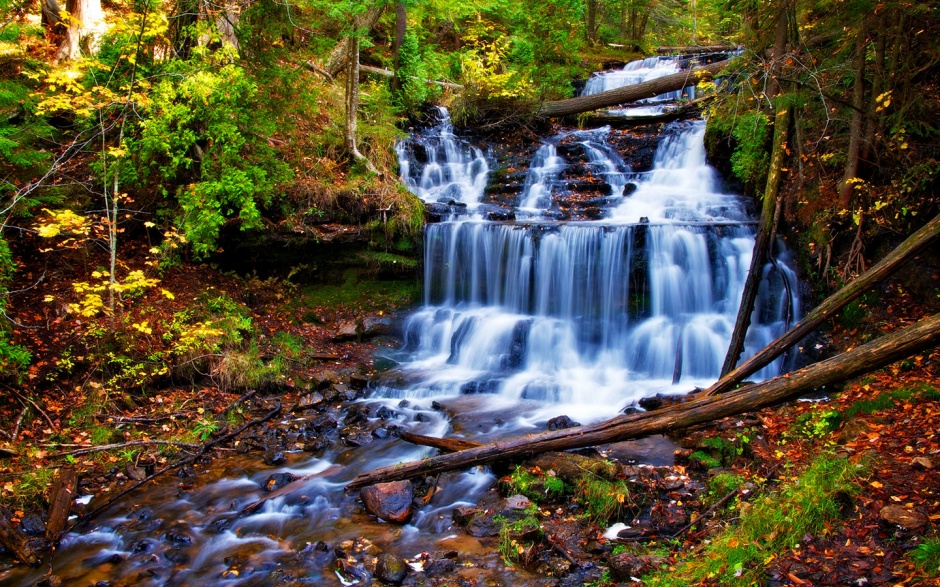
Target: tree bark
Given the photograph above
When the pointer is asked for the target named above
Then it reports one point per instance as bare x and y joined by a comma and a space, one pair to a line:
649, 89
367, 21
847, 185
591, 24
917, 242
866, 358
762, 242
85, 23
352, 103
695, 49
401, 27
15, 542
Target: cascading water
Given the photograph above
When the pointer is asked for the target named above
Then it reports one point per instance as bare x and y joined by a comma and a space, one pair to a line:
520, 322
451, 170
587, 316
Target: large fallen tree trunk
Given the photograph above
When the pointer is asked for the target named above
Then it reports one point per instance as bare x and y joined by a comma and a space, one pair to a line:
650, 89
866, 358
696, 49
691, 110
389, 73
917, 242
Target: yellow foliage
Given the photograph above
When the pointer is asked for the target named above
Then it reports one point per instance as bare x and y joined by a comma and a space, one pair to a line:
62, 222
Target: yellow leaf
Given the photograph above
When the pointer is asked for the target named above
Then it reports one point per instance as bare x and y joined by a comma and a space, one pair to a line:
876, 484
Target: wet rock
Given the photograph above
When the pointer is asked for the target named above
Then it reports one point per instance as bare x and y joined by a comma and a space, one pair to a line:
391, 502
422, 417
668, 519
317, 444
135, 473
142, 546
322, 423
380, 433
385, 413
356, 436
391, 569
896, 515
625, 566
651, 403
637, 532
178, 534
51, 581
104, 584
463, 515
274, 457
440, 566
176, 555
309, 401
354, 571
561, 422
32, 525
496, 213
278, 480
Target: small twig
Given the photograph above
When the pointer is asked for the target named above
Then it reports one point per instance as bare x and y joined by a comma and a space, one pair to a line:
138, 419
35, 405
19, 422
711, 509
556, 544
205, 448
104, 447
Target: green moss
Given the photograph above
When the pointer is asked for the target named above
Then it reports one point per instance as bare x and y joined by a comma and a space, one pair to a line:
926, 557
772, 525
538, 488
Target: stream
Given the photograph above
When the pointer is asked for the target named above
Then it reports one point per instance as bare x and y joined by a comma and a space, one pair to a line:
529, 313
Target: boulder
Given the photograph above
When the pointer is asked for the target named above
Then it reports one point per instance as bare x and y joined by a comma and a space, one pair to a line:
278, 480
391, 502
391, 569
347, 330
625, 566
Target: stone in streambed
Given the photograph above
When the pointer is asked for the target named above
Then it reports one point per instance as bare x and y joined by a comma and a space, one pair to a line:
439, 567
391, 569
274, 457
278, 480
391, 502
561, 422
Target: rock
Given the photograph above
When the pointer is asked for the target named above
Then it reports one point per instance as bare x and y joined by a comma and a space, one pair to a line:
896, 515
651, 403
354, 572
32, 525
463, 515
177, 556
624, 566
922, 463
309, 401
178, 534
347, 330
668, 519
440, 566
278, 480
274, 457
373, 326
391, 502
636, 532
391, 569
323, 379
495, 213
489, 522
561, 422
356, 436
51, 581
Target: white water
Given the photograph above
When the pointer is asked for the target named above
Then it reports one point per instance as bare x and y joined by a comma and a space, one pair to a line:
454, 170
637, 72
586, 318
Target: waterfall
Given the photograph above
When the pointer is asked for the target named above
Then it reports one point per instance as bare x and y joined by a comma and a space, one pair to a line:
438, 166
593, 315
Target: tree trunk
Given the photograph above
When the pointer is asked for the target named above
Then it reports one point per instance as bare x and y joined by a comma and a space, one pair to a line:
847, 187
910, 248
866, 358
649, 89
51, 13
762, 242
367, 21
591, 23
875, 121
16, 542
401, 27
85, 24
352, 103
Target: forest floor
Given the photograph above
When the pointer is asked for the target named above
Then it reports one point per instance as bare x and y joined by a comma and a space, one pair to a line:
885, 424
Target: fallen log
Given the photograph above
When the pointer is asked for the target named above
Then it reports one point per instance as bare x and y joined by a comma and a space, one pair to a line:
650, 89
289, 488
696, 49
868, 357
445, 444
15, 542
60, 502
910, 248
